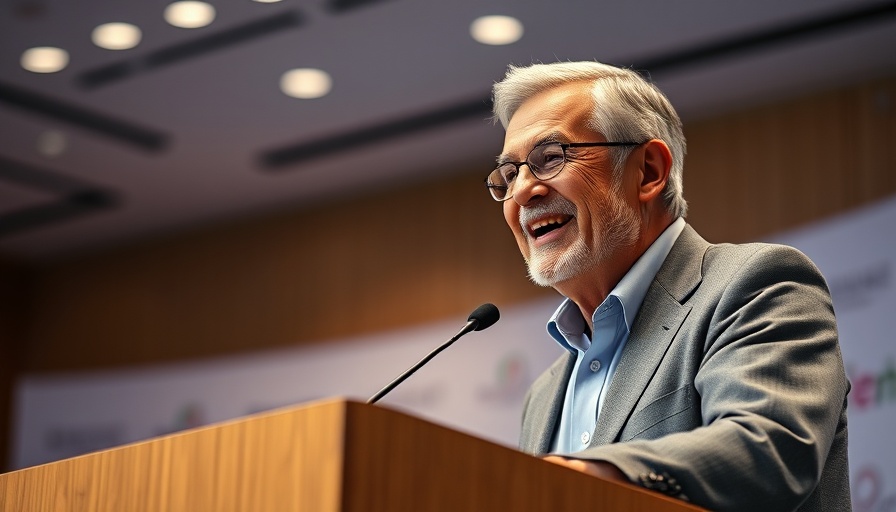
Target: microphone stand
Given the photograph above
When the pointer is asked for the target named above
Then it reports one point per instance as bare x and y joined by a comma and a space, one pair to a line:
471, 326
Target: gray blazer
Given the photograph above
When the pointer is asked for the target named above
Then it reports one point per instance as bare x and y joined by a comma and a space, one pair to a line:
731, 382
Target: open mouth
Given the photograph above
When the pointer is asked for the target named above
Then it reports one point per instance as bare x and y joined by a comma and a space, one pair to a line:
545, 225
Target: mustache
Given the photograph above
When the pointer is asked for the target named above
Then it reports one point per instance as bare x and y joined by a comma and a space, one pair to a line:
553, 205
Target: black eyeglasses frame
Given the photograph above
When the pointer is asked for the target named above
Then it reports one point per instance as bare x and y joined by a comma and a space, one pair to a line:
564, 146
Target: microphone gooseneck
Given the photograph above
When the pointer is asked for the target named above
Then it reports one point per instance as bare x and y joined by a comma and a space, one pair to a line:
481, 318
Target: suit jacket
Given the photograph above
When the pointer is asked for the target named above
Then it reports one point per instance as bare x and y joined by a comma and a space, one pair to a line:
731, 383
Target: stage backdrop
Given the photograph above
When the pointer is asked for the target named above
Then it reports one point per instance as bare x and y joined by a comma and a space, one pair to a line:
478, 385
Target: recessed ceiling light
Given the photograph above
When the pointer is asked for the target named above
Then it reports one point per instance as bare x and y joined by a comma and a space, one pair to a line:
496, 30
52, 143
44, 59
306, 83
267, 1
116, 36
189, 14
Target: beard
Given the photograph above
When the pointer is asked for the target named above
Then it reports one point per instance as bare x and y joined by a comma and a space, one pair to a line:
618, 226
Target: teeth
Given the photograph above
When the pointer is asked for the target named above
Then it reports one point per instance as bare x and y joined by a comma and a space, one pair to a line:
546, 222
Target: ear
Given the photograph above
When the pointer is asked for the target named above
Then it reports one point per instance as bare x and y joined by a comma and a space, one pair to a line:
655, 169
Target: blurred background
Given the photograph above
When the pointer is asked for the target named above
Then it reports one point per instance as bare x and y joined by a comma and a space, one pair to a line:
198, 180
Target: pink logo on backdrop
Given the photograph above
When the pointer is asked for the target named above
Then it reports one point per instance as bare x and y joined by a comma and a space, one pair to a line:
868, 491
872, 389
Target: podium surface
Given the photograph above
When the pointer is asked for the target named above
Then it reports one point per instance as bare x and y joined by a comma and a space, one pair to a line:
333, 455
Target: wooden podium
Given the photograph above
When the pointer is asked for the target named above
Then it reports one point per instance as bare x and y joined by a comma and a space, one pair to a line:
326, 456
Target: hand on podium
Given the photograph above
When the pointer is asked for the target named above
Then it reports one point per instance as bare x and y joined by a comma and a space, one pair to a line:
600, 469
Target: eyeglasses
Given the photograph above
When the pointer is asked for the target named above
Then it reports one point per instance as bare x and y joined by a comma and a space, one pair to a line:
545, 161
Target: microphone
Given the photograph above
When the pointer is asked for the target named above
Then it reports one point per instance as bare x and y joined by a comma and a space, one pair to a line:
481, 318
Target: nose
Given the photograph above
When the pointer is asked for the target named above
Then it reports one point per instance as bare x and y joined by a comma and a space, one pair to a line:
527, 187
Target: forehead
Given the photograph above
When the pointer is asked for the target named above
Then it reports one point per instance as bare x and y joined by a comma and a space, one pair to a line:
561, 112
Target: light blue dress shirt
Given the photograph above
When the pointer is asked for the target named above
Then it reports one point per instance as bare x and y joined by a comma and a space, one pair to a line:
597, 358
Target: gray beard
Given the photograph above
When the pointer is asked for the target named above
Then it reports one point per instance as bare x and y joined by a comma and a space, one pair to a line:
619, 227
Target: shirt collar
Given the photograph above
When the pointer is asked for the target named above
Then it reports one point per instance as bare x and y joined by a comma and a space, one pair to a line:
567, 323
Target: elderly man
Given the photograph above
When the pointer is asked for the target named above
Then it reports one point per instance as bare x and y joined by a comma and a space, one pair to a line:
709, 372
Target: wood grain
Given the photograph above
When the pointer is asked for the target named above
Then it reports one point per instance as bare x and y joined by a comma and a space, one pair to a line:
283, 460
324, 457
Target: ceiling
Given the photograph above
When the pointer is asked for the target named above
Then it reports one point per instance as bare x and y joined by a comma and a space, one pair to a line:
190, 127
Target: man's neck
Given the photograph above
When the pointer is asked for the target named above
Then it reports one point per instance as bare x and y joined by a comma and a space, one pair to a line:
589, 289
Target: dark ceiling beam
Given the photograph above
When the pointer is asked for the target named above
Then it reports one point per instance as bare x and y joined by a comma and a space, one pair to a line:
70, 197
44, 180
277, 158
340, 6
216, 41
764, 39
64, 209
124, 131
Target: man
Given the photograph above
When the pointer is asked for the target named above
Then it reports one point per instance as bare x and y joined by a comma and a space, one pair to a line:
709, 372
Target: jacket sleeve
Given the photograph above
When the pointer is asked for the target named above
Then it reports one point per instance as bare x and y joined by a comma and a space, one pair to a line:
772, 392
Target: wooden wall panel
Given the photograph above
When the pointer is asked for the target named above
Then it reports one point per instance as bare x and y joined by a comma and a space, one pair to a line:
404, 257
13, 312
438, 249
781, 166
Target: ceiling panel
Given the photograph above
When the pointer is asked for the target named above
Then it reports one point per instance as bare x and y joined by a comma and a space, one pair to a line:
182, 129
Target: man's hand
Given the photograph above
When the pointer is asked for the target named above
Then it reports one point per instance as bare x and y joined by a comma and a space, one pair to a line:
594, 468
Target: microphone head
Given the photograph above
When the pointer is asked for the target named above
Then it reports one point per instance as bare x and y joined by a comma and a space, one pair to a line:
485, 316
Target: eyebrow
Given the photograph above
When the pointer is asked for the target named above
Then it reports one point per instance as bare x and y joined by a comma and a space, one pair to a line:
549, 137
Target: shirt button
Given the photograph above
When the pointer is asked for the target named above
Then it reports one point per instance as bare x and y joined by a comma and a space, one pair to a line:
585, 437
595, 365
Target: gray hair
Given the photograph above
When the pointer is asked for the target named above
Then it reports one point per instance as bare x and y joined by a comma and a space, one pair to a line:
626, 108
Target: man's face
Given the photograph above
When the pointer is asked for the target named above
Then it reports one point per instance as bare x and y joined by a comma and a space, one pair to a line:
579, 220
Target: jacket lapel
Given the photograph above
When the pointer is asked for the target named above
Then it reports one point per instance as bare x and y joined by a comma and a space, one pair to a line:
545, 406
656, 325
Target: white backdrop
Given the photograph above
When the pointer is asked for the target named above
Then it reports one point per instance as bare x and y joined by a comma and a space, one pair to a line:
857, 255
476, 386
